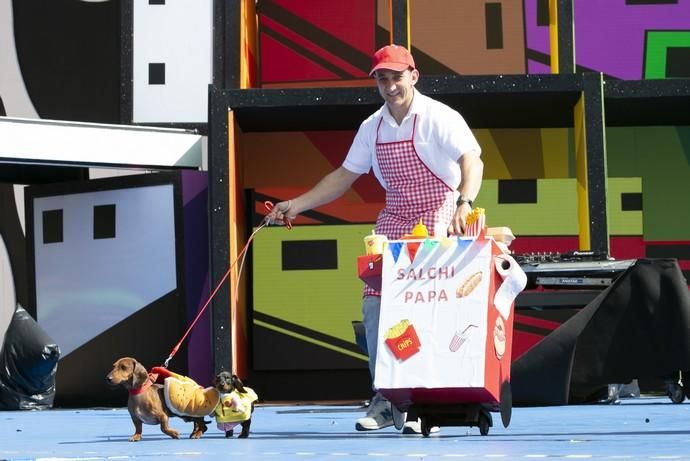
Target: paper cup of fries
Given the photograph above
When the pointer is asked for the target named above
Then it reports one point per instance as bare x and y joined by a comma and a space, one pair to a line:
475, 222
402, 340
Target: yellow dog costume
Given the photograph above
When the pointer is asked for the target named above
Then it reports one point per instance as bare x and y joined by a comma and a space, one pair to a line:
184, 396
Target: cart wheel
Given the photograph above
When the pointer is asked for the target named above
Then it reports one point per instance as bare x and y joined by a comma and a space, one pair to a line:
425, 425
506, 405
399, 417
484, 423
676, 393
686, 387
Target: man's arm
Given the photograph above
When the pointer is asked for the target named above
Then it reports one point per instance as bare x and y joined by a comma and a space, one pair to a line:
472, 171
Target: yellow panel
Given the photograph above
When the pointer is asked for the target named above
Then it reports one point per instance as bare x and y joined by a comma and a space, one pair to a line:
494, 166
322, 300
554, 214
248, 34
237, 311
623, 222
581, 174
553, 34
555, 144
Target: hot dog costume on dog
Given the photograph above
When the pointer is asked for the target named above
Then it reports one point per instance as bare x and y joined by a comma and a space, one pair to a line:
183, 395
235, 408
187, 398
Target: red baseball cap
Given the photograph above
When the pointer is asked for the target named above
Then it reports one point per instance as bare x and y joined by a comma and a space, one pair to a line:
393, 57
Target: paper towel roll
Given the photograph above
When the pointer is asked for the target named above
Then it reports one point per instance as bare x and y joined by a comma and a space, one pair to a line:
514, 281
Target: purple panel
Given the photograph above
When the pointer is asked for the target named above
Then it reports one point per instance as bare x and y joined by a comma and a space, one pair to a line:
193, 184
195, 217
537, 36
610, 35
534, 67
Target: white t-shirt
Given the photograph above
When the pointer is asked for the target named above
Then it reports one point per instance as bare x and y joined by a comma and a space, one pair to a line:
441, 138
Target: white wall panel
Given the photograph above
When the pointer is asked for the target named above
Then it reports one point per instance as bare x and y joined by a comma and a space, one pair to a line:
179, 34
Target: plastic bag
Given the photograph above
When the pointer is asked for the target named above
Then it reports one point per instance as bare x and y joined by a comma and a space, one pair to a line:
28, 364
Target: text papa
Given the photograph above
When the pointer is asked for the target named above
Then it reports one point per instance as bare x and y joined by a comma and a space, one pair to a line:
426, 273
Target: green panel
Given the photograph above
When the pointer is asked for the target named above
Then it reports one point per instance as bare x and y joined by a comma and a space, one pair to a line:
623, 222
684, 138
665, 184
659, 156
555, 212
323, 300
621, 153
655, 53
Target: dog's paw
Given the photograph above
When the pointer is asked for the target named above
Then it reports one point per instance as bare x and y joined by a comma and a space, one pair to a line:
135, 438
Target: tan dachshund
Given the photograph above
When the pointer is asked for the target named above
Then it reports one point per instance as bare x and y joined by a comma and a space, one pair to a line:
146, 402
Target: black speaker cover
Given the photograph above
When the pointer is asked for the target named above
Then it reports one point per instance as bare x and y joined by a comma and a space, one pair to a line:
639, 327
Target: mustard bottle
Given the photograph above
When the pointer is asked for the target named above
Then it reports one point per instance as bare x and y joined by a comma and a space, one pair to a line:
419, 230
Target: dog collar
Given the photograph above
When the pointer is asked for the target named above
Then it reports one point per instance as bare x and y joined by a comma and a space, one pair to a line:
144, 386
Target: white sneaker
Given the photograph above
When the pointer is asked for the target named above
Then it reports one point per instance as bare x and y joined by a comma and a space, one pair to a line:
415, 427
379, 415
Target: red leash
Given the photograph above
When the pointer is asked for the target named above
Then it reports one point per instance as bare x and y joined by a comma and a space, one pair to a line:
243, 253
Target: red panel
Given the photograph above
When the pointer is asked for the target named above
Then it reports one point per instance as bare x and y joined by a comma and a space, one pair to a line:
334, 145
537, 244
523, 341
286, 65
347, 21
536, 322
301, 42
627, 247
328, 28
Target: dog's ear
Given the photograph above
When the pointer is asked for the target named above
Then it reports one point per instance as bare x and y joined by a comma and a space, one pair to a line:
237, 384
139, 375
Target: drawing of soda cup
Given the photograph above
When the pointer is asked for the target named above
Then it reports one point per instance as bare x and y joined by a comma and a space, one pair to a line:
459, 338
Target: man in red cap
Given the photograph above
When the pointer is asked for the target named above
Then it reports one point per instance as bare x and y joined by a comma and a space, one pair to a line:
427, 160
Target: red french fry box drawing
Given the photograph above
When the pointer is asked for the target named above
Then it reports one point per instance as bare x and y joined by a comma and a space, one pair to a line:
405, 345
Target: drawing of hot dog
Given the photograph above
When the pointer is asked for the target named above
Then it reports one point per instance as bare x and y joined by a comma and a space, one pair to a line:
469, 284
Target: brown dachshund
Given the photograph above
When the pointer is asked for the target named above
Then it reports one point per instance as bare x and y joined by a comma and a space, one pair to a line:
146, 402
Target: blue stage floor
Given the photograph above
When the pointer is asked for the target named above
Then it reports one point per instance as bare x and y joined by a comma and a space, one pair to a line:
650, 428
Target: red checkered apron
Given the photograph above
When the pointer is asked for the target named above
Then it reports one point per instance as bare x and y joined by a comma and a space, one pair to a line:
413, 192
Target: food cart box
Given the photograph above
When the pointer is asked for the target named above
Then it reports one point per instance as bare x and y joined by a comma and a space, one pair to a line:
369, 270
446, 321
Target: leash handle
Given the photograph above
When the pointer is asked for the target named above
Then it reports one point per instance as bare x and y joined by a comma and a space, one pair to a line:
269, 206
174, 351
